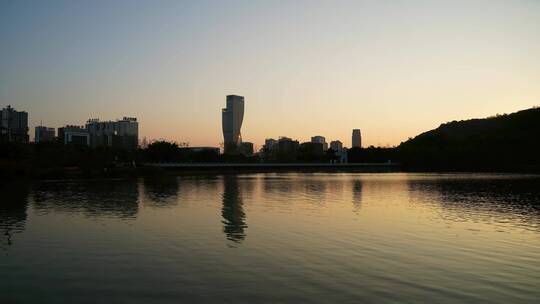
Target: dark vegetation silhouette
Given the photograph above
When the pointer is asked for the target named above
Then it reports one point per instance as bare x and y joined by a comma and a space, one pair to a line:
508, 142
54, 159
164, 151
372, 154
311, 152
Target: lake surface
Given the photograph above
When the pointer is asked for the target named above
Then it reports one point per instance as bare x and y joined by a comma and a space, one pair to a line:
288, 238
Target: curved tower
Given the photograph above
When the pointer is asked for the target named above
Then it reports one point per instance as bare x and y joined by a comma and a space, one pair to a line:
231, 120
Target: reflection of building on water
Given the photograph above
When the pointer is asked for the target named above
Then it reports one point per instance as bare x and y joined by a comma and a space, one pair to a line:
13, 205
118, 199
357, 193
161, 191
233, 210
274, 185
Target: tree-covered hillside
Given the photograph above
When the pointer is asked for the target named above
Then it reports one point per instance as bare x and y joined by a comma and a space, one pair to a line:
502, 142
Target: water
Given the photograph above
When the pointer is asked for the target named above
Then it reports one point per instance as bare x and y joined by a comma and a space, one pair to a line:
328, 238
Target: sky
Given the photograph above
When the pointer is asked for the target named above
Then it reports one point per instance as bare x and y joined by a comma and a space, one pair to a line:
393, 69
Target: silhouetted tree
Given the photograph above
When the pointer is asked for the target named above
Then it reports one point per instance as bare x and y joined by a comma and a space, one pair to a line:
311, 152
163, 151
331, 155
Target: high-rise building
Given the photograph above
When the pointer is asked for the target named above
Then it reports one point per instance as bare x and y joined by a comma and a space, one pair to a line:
321, 140
356, 138
231, 120
76, 135
117, 134
43, 134
13, 125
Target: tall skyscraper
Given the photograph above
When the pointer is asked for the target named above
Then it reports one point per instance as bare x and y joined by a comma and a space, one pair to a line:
231, 120
13, 125
356, 138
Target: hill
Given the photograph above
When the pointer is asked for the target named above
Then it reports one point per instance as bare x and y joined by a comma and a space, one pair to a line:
509, 142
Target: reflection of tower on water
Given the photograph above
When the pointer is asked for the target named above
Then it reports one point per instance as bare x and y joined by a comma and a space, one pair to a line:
357, 194
233, 210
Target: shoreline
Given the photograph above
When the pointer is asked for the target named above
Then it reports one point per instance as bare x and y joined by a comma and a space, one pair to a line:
168, 169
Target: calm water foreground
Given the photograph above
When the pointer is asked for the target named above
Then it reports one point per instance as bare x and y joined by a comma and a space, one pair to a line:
329, 238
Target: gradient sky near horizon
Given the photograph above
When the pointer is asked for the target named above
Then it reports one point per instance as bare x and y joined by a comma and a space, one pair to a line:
391, 68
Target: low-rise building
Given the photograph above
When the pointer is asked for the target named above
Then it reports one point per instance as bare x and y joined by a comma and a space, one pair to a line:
337, 146
286, 144
44, 134
270, 144
122, 133
246, 148
287, 149
321, 140
341, 152
76, 135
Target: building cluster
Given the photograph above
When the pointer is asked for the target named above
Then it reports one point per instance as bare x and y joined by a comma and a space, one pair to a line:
287, 149
123, 133
283, 148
